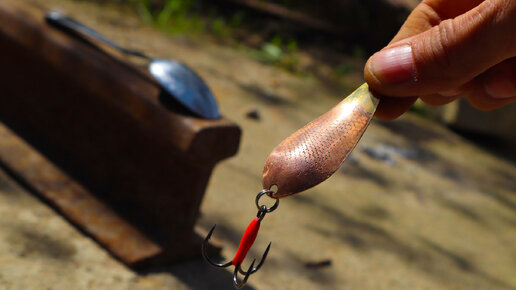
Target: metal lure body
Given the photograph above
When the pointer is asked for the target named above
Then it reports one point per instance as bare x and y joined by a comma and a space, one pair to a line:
313, 153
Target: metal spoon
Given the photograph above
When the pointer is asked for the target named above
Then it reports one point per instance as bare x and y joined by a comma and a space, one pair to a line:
316, 151
176, 78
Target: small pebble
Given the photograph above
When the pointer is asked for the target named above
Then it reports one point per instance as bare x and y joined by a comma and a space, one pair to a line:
253, 113
318, 264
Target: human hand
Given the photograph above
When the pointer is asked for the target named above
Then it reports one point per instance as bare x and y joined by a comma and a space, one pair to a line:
445, 50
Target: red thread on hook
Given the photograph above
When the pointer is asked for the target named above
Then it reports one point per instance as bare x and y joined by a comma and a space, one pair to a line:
247, 241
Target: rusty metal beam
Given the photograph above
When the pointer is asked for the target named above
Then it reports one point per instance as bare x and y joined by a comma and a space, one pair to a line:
102, 122
71, 199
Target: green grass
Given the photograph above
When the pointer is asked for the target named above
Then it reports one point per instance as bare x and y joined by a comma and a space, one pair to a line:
192, 17
279, 52
172, 16
185, 17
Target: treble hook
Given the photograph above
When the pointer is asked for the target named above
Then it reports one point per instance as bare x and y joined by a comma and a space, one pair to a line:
245, 245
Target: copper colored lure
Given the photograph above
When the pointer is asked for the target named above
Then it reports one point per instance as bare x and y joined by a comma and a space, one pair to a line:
303, 160
316, 151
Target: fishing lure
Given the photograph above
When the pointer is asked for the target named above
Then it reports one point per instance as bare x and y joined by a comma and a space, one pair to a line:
303, 160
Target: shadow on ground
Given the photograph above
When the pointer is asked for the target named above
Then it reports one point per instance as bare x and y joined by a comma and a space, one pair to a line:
426, 256
198, 275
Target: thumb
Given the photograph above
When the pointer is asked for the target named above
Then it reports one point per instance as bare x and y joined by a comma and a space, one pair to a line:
447, 55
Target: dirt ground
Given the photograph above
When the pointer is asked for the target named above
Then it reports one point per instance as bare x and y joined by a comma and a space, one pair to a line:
415, 207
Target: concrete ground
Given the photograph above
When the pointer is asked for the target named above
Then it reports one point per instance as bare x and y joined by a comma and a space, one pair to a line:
415, 207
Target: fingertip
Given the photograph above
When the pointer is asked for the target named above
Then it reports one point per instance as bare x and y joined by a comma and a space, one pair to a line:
392, 108
480, 100
499, 84
450, 93
369, 76
438, 99
390, 70
381, 115
393, 65
495, 88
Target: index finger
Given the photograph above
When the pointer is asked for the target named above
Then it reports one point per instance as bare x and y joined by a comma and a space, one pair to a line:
426, 15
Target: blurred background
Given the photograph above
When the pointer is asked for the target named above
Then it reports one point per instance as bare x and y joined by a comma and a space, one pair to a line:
427, 201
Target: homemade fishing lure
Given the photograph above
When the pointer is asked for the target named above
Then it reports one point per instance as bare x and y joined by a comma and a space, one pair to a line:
303, 160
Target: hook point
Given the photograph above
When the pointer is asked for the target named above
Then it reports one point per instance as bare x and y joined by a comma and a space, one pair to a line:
211, 232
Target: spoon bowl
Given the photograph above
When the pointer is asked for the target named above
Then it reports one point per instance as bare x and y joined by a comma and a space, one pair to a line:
186, 86
177, 79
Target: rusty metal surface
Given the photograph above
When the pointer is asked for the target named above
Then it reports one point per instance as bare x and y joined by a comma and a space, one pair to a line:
73, 200
105, 124
316, 151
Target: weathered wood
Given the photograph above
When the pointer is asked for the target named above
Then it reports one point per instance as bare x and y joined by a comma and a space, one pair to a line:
295, 16
103, 122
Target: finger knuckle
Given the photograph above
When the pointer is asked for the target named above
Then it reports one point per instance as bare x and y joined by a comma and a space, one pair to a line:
444, 39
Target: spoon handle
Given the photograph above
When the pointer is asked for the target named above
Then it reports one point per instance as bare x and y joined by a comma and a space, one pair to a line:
313, 153
85, 33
